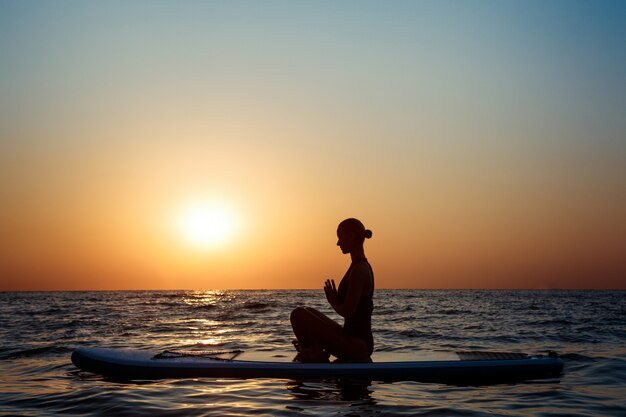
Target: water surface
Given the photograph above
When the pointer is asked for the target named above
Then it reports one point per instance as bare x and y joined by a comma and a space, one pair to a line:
38, 331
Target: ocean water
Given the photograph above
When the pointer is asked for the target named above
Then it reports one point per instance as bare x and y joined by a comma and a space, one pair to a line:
39, 330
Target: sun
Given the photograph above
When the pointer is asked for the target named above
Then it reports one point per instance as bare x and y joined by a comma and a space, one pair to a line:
206, 224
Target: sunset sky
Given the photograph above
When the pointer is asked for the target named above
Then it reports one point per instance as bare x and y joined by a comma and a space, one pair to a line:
201, 145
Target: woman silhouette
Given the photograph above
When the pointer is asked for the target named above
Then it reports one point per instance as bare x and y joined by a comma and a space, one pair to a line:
317, 335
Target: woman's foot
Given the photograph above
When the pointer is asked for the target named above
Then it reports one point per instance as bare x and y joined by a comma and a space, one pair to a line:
310, 354
361, 360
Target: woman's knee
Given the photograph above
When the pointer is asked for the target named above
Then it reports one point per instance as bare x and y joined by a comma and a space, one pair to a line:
297, 314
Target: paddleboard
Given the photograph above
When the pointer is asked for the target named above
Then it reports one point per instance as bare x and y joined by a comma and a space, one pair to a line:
460, 367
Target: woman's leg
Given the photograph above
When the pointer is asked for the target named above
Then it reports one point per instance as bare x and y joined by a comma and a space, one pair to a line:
307, 323
317, 333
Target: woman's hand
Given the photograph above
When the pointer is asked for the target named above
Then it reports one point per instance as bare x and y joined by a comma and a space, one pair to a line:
331, 292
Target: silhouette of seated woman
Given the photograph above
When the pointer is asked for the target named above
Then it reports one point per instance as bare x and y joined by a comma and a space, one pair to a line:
317, 335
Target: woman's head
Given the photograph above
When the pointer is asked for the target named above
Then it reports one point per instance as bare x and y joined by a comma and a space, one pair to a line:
352, 234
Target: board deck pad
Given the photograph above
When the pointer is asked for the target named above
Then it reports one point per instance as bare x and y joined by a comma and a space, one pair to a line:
288, 356
485, 356
213, 354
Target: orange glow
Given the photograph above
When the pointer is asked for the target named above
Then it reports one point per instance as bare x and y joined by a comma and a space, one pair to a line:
211, 150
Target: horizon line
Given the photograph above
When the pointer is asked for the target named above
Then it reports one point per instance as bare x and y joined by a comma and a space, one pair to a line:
319, 289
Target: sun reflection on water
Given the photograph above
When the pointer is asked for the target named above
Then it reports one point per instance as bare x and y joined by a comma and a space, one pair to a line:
204, 298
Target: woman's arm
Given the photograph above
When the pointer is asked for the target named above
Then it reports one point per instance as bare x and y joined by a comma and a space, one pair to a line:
356, 282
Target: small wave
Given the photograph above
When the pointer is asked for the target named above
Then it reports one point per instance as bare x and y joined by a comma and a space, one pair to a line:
414, 333
158, 303
255, 305
229, 317
173, 295
446, 411
576, 357
41, 351
244, 325
205, 344
550, 322
205, 307
453, 311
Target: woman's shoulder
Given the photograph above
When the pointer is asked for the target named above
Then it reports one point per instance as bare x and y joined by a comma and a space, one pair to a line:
362, 271
361, 265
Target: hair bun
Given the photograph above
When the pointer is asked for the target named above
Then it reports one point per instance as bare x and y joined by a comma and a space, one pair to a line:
367, 233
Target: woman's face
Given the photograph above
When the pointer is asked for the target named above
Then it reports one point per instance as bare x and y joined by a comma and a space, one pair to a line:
346, 240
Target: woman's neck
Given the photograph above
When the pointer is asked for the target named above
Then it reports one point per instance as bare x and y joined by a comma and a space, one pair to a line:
358, 253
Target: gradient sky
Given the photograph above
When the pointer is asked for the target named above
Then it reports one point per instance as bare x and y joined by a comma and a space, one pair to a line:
483, 143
